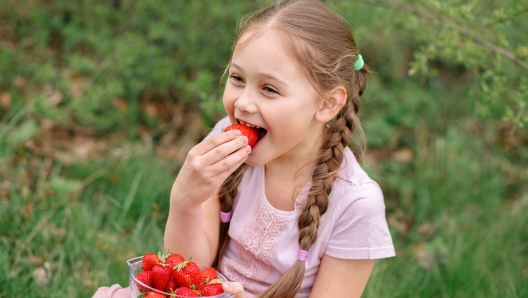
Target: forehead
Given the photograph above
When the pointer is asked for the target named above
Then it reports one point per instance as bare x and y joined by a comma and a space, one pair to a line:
266, 51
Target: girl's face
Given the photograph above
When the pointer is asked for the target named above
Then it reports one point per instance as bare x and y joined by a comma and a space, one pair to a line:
267, 89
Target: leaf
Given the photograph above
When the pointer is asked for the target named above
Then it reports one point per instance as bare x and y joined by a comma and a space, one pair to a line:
521, 52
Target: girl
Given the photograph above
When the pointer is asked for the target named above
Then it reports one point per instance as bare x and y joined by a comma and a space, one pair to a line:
294, 216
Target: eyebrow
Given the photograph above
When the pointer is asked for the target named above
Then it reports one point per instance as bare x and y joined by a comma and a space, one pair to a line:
264, 75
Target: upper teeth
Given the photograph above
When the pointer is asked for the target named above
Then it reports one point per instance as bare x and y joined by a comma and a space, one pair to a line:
248, 124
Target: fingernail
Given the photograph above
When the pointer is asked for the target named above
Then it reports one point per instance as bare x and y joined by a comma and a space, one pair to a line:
245, 139
227, 286
248, 148
238, 132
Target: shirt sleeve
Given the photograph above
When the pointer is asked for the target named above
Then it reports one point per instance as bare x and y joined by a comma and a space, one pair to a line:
219, 127
361, 230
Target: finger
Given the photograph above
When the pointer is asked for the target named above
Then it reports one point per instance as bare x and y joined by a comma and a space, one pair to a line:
221, 152
230, 163
215, 141
234, 288
221, 177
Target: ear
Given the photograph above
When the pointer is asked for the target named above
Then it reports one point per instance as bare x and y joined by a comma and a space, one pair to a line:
330, 106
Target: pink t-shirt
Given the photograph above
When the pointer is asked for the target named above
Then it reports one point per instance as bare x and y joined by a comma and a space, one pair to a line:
264, 240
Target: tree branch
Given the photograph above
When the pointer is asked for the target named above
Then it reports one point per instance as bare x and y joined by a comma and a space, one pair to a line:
496, 49
464, 30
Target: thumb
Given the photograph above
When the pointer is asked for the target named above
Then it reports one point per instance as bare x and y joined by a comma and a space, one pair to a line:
234, 288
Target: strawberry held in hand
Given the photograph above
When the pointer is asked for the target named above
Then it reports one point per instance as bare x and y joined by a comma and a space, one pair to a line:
252, 133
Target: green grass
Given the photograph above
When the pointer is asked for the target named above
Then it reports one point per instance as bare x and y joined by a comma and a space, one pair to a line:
87, 235
467, 239
457, 233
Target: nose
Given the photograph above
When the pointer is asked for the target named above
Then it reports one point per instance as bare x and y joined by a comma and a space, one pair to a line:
246, 103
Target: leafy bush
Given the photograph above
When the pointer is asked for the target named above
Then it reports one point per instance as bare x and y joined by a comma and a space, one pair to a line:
98, 63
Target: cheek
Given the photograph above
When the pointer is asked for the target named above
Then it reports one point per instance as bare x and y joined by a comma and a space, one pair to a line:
228, 101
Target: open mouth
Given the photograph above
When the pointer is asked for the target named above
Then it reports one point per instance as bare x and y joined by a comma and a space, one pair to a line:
261, 131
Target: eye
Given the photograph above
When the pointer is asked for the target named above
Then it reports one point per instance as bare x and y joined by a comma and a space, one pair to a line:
236, 79
270, 90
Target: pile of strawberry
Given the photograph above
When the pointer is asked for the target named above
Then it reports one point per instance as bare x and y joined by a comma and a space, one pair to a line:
171, 273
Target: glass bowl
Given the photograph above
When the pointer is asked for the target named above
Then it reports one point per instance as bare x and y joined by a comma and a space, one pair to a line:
135, 269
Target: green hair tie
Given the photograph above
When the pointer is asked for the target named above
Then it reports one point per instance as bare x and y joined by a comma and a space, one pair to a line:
359, 63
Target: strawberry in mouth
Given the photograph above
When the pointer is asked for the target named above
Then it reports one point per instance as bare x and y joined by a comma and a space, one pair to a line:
252, 132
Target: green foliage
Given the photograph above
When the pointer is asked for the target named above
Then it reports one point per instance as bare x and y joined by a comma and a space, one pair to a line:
484, 44
94, 52
82, 59
454, 184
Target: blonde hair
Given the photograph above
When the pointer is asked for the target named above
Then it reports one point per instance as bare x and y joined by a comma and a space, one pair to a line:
320, 42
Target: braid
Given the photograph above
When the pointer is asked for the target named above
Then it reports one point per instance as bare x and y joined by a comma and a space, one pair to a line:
226, 196
328, 164
329, 161
359, 86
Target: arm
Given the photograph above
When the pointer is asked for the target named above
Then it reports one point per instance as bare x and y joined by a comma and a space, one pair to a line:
195, 232
194, 214
341, 278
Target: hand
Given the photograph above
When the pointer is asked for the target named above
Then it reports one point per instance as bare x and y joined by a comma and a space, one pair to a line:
207, 166
234, 288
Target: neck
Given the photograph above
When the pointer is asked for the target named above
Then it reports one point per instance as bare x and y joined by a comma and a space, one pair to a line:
293, 171
295, 167
284, 183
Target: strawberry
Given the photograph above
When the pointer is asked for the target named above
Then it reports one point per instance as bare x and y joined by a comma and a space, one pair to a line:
161, 275
171, 286
174, 259
154, 295
187, 274
211, 289
186, 292
208, 274
149, 260
251, 133
146, 278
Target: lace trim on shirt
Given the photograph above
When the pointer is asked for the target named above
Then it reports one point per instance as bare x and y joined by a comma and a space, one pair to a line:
258, 240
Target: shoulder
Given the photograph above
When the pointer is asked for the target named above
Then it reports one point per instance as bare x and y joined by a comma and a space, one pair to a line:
351, 171
354, 188
357, 218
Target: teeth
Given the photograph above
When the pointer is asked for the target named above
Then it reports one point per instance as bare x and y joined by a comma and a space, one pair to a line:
248, 124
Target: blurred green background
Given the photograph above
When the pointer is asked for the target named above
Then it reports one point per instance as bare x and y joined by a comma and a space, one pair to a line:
100, 101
